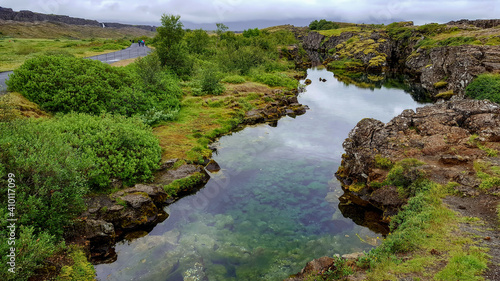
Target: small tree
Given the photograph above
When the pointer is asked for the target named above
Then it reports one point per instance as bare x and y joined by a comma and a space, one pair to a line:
169, 46
197, 40
221, 28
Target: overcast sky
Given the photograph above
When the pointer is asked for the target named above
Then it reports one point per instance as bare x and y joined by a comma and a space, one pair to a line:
263, 12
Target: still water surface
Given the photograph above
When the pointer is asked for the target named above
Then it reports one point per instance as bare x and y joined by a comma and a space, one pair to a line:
274, 204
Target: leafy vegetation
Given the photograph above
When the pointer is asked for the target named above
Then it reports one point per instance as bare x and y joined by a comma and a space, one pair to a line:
421, 229
323, 25
234, 79
32, 246
65, 84
251, 32
171, 47
485, 86
119, 148
81, 269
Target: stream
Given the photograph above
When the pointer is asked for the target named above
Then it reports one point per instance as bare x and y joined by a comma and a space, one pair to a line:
274, 204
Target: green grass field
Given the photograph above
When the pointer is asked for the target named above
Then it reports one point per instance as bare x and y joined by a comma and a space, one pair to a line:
14, 51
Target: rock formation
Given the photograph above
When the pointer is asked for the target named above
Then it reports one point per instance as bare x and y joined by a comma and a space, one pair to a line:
448, 137
29, 16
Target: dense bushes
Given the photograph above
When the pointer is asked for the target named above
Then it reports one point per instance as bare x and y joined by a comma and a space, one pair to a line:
50, 175
119, 148
251, 32
65, 84
323, 25
32, 250
55, 163
485, 86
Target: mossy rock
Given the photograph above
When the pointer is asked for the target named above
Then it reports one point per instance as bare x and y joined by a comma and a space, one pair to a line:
377, 61
445, 95
440, 84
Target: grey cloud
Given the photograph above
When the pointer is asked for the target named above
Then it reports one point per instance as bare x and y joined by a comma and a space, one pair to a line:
197, 11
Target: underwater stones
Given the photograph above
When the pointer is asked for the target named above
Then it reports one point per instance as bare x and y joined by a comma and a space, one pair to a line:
315, 267
353, 256
195, 273
223, 221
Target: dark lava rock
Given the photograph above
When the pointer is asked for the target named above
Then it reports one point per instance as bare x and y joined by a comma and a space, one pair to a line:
437, 134
212, 166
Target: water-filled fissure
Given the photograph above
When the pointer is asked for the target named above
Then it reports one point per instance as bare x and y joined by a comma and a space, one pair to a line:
274, 205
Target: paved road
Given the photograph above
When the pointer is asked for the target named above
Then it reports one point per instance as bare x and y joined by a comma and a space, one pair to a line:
133, 51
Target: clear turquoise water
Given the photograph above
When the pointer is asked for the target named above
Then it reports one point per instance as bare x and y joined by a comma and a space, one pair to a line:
274, 205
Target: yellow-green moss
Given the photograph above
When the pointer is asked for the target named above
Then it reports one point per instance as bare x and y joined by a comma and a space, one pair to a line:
383, 162
440, 84
80, 270
445, 95
377, 61
184, 184
356, 187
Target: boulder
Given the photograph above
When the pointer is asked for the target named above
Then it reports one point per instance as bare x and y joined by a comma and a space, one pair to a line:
314, 267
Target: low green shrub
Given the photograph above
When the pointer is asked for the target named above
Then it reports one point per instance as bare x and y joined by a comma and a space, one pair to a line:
50, 175
275, 80
65, 84
32, 250
120, 148
323, 25
234, 79
251, 32
485, 86
210, 82
383, 162
406, 176
81, 269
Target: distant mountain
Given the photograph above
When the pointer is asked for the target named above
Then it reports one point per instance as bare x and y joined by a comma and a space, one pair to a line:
29, 16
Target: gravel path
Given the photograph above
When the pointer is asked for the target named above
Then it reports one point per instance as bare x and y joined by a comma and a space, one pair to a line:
133, 51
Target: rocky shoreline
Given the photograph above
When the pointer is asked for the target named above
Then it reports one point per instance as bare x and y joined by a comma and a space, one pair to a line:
448, 137
443, 71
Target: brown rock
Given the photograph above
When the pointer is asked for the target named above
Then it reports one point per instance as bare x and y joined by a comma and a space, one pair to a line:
315, 267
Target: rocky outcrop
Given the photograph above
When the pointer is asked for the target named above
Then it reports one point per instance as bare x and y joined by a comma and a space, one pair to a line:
453, 67
110, 217
443, 71
440, 135
9, 14
29, 16
285, 103
478, 23
312, 41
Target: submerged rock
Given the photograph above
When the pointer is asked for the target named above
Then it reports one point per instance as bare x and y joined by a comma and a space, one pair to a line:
314, 267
